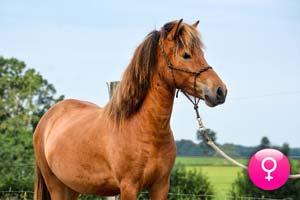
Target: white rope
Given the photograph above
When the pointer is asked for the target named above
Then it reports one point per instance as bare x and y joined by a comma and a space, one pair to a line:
218, 150
222, 153
294, 176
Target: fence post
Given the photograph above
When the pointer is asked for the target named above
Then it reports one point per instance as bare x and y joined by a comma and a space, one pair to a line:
25, 196
112, 85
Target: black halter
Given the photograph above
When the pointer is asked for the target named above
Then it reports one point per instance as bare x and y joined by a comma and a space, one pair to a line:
196, 100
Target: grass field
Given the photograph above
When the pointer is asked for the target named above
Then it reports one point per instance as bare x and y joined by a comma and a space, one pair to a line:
220, 172
207, 161
221, 177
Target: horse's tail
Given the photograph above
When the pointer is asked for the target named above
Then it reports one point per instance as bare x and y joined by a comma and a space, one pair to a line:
40, 189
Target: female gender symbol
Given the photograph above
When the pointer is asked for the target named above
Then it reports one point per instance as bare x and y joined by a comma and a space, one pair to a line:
268, 161
269, 177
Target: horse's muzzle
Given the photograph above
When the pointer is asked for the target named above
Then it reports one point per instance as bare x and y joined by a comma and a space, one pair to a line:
216, 97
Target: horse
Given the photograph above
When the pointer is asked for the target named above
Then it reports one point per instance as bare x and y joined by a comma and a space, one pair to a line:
126, 146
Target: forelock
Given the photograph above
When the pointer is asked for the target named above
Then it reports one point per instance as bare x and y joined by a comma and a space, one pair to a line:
187, 40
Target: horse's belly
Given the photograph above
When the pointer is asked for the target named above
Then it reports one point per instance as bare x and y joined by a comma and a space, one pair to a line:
100, 184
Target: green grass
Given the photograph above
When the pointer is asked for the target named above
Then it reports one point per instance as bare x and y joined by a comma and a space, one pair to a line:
206, 161
221, 177
219, 171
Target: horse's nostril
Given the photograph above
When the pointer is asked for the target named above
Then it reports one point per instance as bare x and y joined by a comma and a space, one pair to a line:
220, 93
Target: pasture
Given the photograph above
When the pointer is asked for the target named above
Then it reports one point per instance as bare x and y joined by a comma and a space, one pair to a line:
220, 172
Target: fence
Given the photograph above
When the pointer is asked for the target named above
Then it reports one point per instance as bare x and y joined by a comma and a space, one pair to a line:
28, 195
25, 193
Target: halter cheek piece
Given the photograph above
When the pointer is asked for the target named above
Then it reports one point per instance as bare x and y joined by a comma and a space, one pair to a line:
196, 100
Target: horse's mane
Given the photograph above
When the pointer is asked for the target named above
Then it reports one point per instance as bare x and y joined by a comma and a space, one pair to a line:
133, 88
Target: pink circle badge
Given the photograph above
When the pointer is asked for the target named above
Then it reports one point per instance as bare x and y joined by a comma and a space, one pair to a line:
269, 169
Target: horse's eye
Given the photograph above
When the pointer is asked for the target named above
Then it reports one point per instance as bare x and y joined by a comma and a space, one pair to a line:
186, 56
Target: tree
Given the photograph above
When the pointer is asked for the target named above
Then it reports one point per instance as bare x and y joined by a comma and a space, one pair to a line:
24, 97
206, 150
187, 148
184, 181
264, 143
187, 185
285, 149
211, 133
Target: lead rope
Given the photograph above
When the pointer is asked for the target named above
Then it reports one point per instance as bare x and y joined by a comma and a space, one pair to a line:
209, 141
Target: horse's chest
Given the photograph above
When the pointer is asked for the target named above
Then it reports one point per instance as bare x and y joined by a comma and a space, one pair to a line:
159, 165
152, 171
146, 161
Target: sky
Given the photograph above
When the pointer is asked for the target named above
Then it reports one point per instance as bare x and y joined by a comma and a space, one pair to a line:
253, 45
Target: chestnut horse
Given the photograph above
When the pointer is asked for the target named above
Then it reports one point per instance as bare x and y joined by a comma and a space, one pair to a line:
128, 145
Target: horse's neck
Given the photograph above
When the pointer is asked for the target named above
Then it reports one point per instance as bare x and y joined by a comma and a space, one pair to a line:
157, 107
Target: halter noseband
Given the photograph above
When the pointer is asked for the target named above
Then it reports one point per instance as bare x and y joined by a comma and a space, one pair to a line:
196, 100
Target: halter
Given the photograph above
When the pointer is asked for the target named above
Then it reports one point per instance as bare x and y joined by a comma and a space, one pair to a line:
196, 100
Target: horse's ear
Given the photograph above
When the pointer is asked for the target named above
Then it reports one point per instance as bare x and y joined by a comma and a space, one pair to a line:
174, 31
195, 24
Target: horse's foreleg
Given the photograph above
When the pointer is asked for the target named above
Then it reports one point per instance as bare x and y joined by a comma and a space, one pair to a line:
159, 190
129, 190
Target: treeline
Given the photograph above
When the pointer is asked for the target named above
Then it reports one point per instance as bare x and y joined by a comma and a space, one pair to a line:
190, 148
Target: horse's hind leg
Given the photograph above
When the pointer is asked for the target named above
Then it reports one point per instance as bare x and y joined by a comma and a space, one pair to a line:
48, 186
59, 191
46, 181
53, 186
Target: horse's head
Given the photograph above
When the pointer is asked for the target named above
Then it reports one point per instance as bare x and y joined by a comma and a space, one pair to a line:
185, 66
